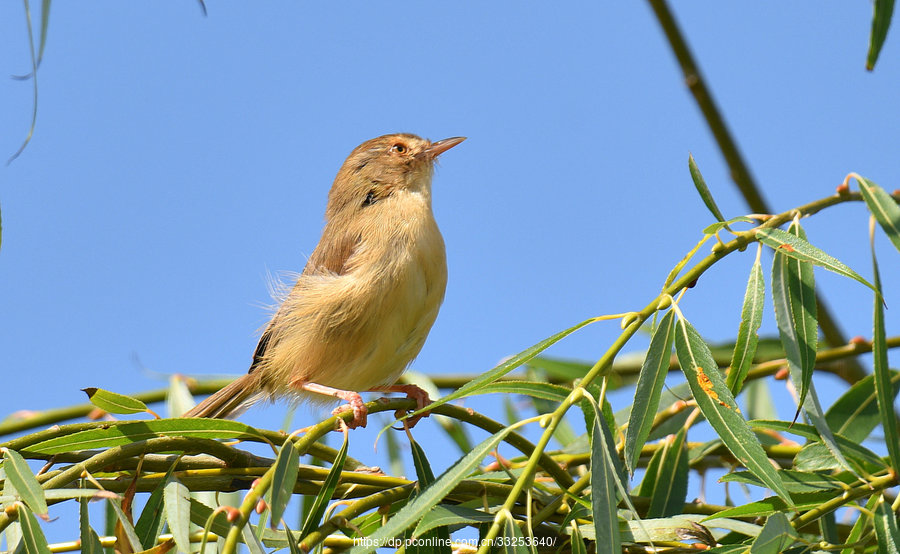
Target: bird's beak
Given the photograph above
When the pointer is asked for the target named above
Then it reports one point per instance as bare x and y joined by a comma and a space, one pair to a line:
441, 146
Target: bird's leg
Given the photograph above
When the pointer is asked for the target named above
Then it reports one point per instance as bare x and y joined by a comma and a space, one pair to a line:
354, 400
413, 392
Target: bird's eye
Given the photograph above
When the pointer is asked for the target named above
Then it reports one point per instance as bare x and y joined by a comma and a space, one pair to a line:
398, 148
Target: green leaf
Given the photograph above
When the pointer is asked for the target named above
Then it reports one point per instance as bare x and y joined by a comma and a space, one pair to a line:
777, 535
797, 481
855, 414
293, 545
883, 207
512, 541
861, 524
800, 249
772, 505
90, 542
544, 391
719, 408
794, 298
431, 495
881, 22
669, 492
564, 370
884, 388
178, 512
127, 528
577, 541
604, 500
178, 398
211, 521
150, 523
700, 184
714, 228
287, 466
438, 538
748, 337
120, 433
886, 528
114, 403
856, 452
32, 535
328, 486
444, 515
252, 541
648, 390
24, 481
673, 528
510, 364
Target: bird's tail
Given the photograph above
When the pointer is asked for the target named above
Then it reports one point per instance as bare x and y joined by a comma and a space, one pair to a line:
231, 400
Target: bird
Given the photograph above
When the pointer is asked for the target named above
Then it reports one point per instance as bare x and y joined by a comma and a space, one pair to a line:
360, 311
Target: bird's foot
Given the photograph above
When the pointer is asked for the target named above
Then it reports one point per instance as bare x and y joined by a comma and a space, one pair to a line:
413, 392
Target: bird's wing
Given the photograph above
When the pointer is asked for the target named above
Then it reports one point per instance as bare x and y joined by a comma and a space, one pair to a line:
329, 257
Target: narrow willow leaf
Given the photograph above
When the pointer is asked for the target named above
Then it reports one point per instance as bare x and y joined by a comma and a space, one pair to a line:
577, 541
856, 452
443, 515
90, 542
178, 398
604, 500
648, 390
670, 491
113, 402
120, 433
673, 529
794, 298
32, 535
507, 366
544, 391
150, 523
884, 389
178, 512
797, 481
881, 22
328, 486
855, 414
883, 207
211, 521
252, 541
564, 370
438, 538
777, 535
512, 541
773, 505
748, 337
862, 523
700, 184
886, 528
719, 408
800, 249
430, 496
123, 521
293, 545
714, 228
287, 466
24, 481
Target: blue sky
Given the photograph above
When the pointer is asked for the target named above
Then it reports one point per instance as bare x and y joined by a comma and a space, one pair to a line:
178, 160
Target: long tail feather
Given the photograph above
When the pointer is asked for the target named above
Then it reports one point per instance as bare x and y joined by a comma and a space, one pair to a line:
231, 400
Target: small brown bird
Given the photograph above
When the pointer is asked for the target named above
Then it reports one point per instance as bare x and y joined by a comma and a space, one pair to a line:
360, 311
